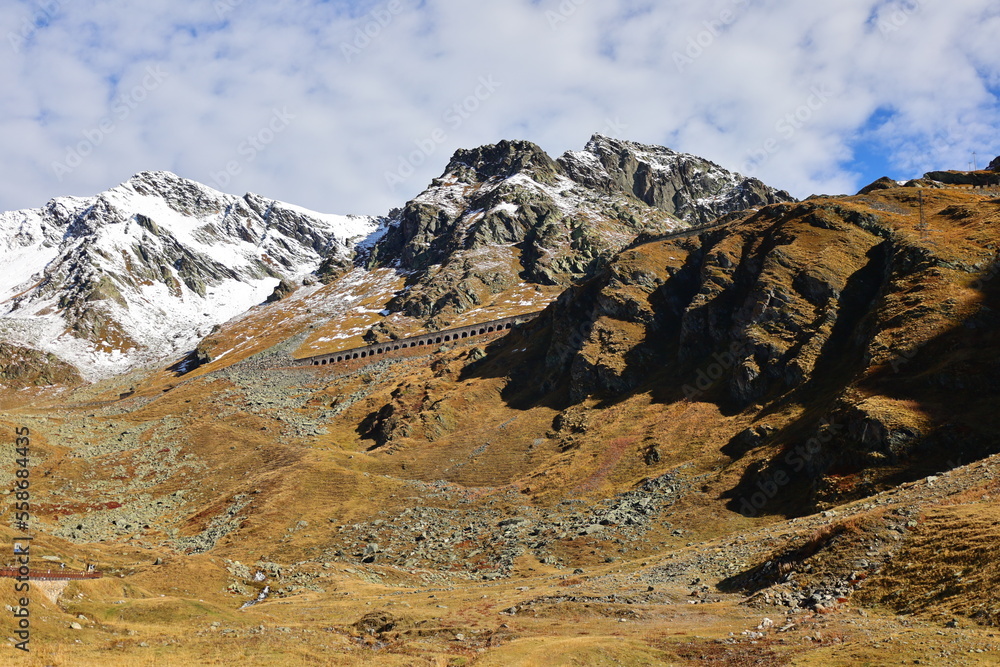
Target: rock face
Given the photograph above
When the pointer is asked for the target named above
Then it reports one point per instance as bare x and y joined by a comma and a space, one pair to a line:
283, 289
766, 305
995, 165
489, 196
974, 178
799, 306
506, 214
147, 268
686, 186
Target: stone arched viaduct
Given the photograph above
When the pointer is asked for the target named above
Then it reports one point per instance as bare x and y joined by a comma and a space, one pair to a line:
424, 340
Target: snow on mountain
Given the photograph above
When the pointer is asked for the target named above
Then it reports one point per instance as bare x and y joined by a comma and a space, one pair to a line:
501, 217
148, 268
692, 188
145, 270
504, 215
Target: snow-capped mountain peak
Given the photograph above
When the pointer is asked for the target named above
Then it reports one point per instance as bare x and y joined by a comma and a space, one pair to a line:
147, 268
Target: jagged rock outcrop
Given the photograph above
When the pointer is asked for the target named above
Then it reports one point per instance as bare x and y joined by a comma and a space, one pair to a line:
501, 216
404, 414
505, 214
283, 289
995, 165
689, 187
973, 178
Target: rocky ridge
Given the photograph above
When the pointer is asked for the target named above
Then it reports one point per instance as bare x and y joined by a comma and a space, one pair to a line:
688, 187
801, 305
504, 214
149, 267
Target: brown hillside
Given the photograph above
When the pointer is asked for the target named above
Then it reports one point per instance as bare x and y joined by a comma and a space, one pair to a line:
713, 431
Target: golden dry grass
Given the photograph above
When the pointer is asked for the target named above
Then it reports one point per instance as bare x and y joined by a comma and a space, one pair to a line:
465, 430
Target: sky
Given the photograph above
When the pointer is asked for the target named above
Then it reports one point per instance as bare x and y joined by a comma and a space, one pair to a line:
353, 107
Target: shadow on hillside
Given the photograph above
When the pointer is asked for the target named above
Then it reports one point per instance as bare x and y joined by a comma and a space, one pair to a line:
191, 361
519, 357
832, 451
535, 356
546, 366
779, 567
837, 452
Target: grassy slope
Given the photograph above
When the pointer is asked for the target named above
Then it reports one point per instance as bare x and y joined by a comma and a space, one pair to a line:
595, 449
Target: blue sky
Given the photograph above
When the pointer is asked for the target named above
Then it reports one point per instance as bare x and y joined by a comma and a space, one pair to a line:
352, 107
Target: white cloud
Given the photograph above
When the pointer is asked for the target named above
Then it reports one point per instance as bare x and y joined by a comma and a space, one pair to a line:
719, 78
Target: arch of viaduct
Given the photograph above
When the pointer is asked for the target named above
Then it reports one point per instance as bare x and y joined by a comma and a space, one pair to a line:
423, 340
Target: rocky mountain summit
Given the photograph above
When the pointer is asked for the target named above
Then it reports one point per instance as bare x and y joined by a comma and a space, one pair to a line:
149, 267
689, 187
507, 213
